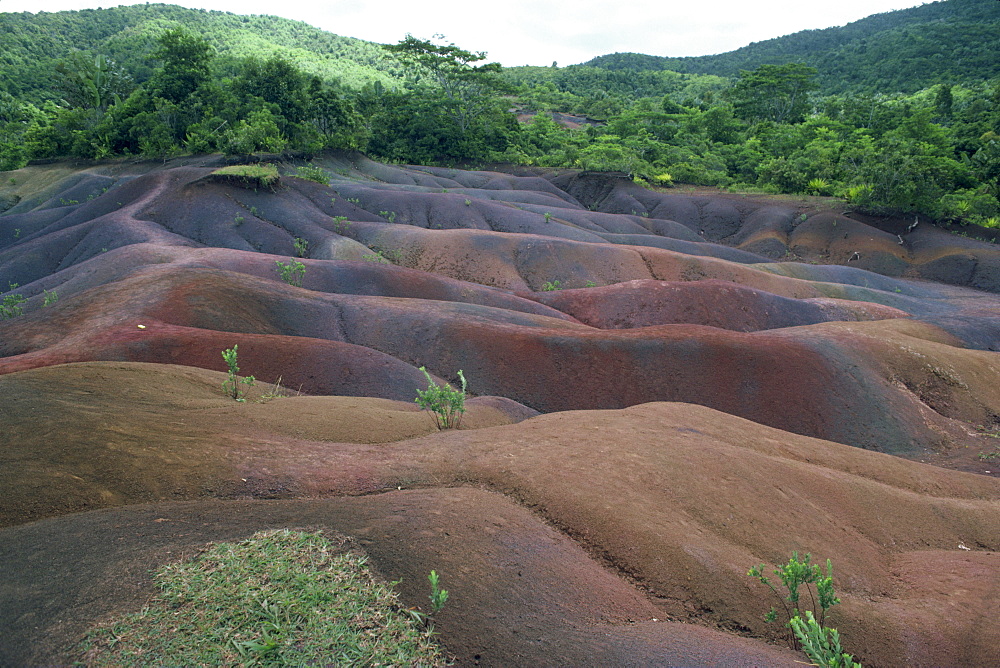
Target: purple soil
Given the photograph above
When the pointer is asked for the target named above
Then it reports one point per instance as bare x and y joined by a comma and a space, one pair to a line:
865, 341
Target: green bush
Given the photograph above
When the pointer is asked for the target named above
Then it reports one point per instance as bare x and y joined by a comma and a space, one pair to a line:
301, 246
11, 307
447, 404
794, 575
291, 272
969, 206
259, 132
818, 187
821, 645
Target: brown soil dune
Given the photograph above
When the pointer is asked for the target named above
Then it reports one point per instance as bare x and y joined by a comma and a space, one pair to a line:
707, 408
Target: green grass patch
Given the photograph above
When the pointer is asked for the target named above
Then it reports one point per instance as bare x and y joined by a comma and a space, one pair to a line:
279, 598
252, 177
311, 172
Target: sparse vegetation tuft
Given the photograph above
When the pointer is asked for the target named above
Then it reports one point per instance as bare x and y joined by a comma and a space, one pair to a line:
341, 224
301, 246
311, 172
232, 385
438, 596
279, 598
446, 403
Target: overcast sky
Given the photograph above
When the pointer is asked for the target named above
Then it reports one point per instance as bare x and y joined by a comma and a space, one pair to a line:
538, 32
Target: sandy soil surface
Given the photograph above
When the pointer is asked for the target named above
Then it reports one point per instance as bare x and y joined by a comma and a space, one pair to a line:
718, 381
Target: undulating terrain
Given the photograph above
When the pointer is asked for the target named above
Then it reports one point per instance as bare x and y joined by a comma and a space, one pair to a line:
717, 380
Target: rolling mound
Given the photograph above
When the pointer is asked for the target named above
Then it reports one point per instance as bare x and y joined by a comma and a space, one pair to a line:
705, 407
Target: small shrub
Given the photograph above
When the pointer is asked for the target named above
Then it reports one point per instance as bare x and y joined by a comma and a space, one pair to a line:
238, 220
438, 596
301, 246
550, 286
291, 272
388, 215
821, 645
341, 224
590, 284
447, 404
11, 307
859, 195
375, 257
468, 202
232, 384
798, 573
50, 297
548, 217
311, 172
384, 256
818, 187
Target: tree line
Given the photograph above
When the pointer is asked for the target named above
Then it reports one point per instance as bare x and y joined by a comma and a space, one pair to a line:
936, 151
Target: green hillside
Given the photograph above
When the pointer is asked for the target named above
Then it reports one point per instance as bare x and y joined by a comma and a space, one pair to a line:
899, 112
32, 44
952, 42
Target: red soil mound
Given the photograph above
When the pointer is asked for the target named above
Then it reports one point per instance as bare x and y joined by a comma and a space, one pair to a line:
681, 498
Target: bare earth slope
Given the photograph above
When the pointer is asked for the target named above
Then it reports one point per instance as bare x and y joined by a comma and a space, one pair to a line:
707, 407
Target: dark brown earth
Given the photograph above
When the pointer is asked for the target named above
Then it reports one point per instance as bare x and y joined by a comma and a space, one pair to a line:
707, 405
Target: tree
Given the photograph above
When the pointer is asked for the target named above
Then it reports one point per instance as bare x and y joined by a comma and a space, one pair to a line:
778, 93
470, 90
186, 58
335, 118
275, 81
453, 111
91, 82
944, 101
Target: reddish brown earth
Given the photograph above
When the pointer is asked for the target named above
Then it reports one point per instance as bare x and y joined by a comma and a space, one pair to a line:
706, 406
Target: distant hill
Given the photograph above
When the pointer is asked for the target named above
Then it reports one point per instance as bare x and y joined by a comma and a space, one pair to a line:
31, 44
955, 41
